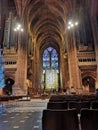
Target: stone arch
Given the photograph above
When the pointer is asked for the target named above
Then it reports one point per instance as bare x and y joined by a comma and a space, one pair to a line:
89, 73
88, 82
9, 81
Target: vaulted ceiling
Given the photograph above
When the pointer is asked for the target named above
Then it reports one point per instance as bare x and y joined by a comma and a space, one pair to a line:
46, 18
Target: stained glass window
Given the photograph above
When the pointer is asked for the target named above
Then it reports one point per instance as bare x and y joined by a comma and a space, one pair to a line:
50, 58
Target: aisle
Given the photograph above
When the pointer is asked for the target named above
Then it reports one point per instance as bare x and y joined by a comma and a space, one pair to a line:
25, 106
22, 115
21, 121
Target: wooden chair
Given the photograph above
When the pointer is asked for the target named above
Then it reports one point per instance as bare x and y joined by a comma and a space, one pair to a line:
94, 105
57, 105
79, 105
89, 119
60, 120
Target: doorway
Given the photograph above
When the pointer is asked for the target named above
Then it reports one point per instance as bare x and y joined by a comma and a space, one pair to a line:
89, 82
8, 86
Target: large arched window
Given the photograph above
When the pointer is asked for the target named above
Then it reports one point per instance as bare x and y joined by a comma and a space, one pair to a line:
50, 67
50, 58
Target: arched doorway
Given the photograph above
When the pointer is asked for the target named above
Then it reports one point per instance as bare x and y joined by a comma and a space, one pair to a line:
50, 78
8, 86
89, 82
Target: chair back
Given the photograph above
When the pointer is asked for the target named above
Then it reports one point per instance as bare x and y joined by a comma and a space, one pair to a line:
89, 119
57, 105
60, 120
79, 105
94, 105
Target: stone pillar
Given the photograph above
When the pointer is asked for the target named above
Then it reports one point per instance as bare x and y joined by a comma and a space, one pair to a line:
1, 92
66, 75
35, 68
62, 70
95, 36
73, 61
20, 87
38, 69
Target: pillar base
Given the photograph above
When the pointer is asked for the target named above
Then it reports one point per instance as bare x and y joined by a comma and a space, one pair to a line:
1, 92
96, 84
18, 91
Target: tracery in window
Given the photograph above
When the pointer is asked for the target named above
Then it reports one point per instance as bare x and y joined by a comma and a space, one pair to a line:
50, 58
50, 66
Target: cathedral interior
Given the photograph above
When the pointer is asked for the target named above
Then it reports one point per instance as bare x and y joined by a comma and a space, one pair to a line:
49, 64
48, 45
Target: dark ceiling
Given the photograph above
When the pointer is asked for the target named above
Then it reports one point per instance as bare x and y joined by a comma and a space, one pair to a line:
46, 18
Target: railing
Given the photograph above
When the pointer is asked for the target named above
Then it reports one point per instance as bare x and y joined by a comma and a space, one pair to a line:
86, 58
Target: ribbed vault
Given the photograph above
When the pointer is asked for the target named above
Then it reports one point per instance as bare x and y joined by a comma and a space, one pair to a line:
47, 19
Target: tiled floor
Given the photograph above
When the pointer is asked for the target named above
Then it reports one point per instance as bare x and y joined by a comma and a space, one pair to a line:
20, 121
24, 115
25, 106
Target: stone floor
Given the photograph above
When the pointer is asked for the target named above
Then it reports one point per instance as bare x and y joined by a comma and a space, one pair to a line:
22, 115
20, 121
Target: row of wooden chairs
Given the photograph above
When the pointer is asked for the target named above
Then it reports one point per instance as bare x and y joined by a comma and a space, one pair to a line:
68, 119
73, 104
59, 98
60, 120
89, 119
7, 98
70, 114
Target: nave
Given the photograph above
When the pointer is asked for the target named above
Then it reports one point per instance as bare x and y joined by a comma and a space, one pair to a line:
60, 112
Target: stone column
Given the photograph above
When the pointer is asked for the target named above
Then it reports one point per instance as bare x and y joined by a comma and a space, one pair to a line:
73, 60
38, 69
62, 70
1, 92
35, 69
20, 87
95, 36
